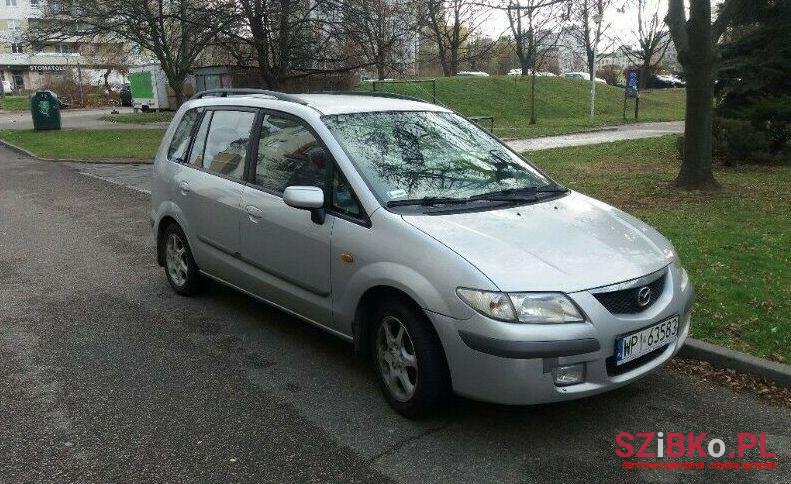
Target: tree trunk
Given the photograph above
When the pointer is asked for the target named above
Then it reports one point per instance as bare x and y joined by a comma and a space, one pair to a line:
696, 54
454, 61
696, 170
380, 70
645, 72
533, 96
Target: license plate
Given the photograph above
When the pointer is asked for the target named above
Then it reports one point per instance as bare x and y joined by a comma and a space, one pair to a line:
642, 342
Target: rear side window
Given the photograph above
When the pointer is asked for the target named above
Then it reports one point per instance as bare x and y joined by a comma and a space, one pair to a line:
288, 154
181, 138
227, 143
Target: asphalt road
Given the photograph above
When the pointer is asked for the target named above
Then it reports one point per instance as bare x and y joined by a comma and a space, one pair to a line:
107, 376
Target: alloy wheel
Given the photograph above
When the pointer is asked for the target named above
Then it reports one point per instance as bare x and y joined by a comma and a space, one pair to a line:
396, 358
176, 259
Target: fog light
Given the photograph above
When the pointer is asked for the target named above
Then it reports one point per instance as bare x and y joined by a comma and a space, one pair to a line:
569, 375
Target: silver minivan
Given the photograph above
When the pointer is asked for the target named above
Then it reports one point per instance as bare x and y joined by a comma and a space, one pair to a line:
446, 258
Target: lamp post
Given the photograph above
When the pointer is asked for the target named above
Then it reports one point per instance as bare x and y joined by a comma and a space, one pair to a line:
597, 18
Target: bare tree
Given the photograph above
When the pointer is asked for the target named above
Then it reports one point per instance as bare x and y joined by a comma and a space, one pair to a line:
589, 28
695, 38
290, 39
535, 26
383, 31
175, 32
450, 25
652, 39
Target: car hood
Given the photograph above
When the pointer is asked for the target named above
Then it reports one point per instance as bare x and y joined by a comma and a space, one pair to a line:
568, 244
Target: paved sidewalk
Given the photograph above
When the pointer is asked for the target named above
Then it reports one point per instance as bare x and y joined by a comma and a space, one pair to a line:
129, 175
617, 133
75, 119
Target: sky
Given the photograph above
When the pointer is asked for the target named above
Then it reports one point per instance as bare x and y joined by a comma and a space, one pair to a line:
621, 16
621, 23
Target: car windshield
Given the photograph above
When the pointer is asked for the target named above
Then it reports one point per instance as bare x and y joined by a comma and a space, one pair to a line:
411, 155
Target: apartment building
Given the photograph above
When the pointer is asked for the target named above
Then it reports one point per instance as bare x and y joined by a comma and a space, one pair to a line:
30, 66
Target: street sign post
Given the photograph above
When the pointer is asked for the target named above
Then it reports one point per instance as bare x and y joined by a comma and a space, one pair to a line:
632, 91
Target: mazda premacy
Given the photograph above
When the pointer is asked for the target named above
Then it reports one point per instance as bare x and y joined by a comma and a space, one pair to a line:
448, 260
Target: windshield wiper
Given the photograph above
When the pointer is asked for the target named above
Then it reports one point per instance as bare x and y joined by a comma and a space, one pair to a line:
426, 201
518, 194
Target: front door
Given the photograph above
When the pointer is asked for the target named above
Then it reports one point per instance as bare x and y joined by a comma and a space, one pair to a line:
288, 253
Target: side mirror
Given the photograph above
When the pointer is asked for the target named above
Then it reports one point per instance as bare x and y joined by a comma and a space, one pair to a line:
306, 198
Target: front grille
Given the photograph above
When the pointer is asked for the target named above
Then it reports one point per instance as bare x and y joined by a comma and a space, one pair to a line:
625, 301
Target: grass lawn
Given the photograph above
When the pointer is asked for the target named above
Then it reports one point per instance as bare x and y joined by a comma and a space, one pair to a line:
15, 103
561, 104
95, 144
735, 244
140, 118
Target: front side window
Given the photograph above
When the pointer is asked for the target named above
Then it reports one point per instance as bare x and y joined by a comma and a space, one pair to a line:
181, 138
289, 155
422, 155
227, 143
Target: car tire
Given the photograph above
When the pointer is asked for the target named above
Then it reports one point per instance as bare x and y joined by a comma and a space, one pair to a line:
408, 360
180, 268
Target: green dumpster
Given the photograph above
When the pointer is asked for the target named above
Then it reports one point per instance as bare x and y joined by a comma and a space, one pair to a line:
45, 108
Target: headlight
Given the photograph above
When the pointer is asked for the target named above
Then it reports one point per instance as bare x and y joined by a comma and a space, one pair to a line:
523, 307
545, 308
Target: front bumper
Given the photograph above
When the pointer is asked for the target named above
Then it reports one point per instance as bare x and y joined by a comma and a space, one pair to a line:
512, 363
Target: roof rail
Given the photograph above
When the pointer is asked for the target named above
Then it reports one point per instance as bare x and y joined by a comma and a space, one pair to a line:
391, 95
244, 92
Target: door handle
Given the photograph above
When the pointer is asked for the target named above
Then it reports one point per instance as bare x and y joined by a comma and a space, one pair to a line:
254, 212
184, 186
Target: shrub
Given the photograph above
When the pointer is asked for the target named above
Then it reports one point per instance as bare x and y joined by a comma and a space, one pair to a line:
773, 116
736, 140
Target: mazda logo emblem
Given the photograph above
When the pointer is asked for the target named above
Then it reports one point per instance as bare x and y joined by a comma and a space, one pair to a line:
644, 296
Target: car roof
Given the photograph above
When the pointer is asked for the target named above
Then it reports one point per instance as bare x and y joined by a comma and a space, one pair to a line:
323, 103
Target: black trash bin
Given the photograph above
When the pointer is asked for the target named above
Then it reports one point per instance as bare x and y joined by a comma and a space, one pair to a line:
45, 108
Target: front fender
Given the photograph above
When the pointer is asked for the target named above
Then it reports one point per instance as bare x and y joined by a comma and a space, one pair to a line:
401, 278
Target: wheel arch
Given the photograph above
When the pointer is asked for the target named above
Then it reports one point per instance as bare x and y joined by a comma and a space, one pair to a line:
163, 224
363, 317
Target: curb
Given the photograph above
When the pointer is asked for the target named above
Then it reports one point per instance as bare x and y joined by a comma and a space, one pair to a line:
24, 152
735, 360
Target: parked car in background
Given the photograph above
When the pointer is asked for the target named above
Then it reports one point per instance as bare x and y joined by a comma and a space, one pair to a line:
126, 95
440, 253
666, 81
518, 72
582, 75
472, 74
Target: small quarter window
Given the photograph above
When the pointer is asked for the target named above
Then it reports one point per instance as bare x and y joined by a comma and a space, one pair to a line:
181, 138
196, 157
343, 199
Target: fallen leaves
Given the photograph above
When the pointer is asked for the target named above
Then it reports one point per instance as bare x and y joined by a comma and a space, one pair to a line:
739, 382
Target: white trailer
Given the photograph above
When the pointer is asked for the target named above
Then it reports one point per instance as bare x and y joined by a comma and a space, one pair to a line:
149, 88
